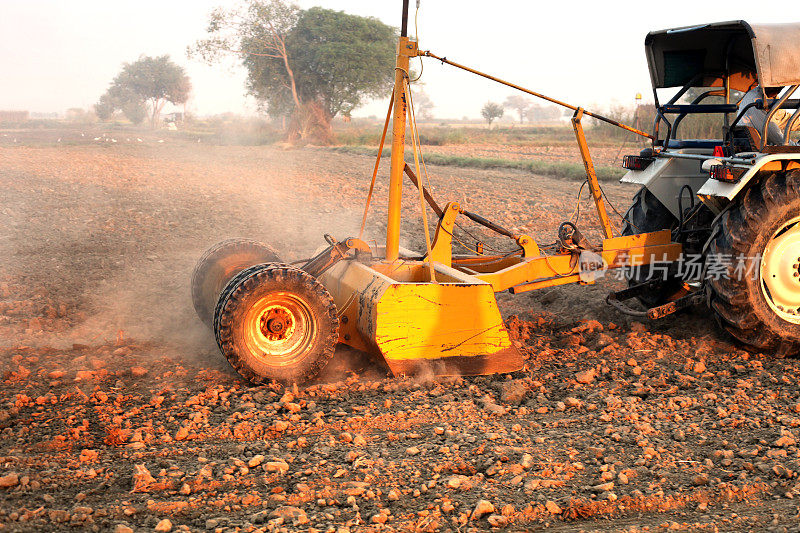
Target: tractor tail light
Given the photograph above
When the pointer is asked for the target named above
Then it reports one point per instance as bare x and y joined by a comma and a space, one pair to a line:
636, 162
727, 173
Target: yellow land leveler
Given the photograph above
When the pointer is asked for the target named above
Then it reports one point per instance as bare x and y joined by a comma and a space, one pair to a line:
434, 312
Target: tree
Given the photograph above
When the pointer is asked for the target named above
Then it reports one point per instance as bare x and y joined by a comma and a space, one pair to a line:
518, 103
104, 108
545, 113
143, 87
492, 111
307, 65
423, 105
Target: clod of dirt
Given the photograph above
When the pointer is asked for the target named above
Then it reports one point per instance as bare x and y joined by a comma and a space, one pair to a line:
482, 508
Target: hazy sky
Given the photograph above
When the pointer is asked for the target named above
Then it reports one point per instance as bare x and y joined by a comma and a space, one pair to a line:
56, 54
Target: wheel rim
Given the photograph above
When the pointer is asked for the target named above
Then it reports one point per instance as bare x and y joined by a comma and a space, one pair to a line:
780, 271
279, 328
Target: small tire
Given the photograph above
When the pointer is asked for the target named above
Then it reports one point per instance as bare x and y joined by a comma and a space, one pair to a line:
645, 215
277, 323
218, 265
760, 305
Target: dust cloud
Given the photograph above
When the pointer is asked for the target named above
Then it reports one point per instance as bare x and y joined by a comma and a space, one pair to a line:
111, 237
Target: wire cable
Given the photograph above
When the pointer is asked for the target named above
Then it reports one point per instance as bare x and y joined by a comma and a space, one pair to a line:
417, 150
622, 217
416, 36
576, 213
377, 164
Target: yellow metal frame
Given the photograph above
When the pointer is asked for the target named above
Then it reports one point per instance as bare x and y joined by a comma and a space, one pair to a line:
438, 312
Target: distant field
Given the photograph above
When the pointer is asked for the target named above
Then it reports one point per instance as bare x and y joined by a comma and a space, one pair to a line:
545, 150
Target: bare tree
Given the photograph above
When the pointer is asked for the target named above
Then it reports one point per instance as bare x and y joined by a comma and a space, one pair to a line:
259, 29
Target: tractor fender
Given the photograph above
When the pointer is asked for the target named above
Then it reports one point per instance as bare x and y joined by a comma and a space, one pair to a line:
766, 163
664, 178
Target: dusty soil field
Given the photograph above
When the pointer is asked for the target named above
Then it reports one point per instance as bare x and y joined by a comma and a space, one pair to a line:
117, 413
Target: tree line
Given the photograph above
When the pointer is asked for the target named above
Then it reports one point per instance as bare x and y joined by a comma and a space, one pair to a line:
525, 109
304, 67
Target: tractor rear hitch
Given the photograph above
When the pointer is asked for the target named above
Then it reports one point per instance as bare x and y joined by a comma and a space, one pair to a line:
618, 299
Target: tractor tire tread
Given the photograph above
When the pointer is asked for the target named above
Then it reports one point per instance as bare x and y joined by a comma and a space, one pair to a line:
730, 297
202, 300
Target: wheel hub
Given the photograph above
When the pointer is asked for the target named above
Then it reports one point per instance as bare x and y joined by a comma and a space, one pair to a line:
276, 323
780, 271
279, 328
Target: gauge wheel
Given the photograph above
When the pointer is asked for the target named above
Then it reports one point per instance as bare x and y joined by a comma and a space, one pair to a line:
645, 215
277, 323
758, 239
218, 265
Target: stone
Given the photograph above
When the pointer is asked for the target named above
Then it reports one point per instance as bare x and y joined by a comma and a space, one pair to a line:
164, 526
413, 450
602, 341
552, 507
572, 402
785, 440
296, 515
182, 433
513, 392
494, 409
699, 367
280, 467
123, 528
58, 516
394, 495
586, 376
141, 478
482, 508
255, 461
527, 461
9, 480
497, 520
781, 471
455, 482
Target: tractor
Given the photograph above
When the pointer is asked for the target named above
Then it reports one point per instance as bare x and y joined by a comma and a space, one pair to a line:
728, 205
733, 201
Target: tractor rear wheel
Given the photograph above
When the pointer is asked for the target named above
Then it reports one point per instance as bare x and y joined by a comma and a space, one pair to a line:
277, 323
757, 300
645, 215
219, 265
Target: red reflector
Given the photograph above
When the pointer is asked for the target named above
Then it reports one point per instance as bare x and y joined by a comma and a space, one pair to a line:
727, 173
719, 151
636, 162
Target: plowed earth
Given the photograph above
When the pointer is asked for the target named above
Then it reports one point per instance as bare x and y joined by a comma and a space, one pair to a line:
118, 413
